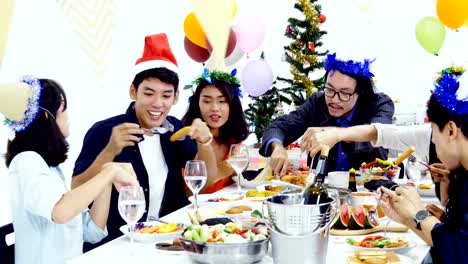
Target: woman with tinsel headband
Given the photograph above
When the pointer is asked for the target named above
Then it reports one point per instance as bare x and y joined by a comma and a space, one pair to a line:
216, 101
447, 111
50, 220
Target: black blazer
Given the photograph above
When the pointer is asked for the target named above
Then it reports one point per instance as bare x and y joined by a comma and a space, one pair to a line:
314, 113
175, 154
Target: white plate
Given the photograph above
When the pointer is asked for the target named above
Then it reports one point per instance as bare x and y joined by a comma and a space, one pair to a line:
204, 199
150, 238
249, 184
402, 250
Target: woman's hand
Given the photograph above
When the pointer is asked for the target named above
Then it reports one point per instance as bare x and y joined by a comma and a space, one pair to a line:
123, 174
200, 132
401, 205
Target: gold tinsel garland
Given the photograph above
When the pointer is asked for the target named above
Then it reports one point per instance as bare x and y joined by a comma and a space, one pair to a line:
310, 13
296, 54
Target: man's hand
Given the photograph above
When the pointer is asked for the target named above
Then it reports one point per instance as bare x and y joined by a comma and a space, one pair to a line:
315, 137
436, 211
440, 172
200, 132
123, 135
279, 160
402, 204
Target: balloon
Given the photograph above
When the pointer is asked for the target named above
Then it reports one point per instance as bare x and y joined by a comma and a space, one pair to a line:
194, 31
250, 32
430, 33
235, 56
196, 52
452, 13
234, 10
466, 23
230, 46
257, 77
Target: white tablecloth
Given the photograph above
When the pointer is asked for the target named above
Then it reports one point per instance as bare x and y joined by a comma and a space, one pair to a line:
118, 250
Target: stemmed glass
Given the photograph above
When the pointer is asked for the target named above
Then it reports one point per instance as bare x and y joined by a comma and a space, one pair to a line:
195, 177
131, 207
239, 159
413, 170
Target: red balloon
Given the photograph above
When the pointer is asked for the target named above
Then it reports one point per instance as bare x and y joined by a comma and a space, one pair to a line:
196, 52
231, 44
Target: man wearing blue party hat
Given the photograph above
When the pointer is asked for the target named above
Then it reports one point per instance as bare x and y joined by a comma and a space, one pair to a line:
348, 99
447, 111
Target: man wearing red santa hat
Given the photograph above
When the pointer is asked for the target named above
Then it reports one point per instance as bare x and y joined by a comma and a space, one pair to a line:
141, 137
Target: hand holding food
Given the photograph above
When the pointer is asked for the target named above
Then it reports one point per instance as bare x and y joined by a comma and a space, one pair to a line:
180, 133
279, 160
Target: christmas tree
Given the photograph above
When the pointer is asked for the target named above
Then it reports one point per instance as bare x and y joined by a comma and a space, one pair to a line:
303, 57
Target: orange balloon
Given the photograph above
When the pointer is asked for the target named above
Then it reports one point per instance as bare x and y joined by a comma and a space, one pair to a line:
452, 13
194, 31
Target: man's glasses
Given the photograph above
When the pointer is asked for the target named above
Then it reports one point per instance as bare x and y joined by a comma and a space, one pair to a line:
344, 97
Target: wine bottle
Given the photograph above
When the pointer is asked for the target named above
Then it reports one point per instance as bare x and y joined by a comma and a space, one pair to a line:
316, 192
352, 180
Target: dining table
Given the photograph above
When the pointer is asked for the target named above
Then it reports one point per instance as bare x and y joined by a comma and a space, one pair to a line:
120, 250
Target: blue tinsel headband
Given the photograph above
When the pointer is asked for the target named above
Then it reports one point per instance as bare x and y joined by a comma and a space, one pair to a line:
33, 105
348, 67
451, 92
219, 76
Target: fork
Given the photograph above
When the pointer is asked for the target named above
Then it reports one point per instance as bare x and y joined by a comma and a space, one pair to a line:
427, 166
162, 130
373, 212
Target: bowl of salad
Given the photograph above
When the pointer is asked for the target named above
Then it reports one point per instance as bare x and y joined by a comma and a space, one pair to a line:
378, 169
225, 243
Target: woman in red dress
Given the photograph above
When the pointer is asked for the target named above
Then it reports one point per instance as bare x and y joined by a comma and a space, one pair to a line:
216, 101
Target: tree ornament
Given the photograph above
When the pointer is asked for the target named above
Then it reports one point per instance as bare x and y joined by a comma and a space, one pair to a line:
311, 46
322, 18
288, 29
298, 37
305, 65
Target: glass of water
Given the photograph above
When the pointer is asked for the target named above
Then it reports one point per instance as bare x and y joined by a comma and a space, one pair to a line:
239, 159
131, 206
195, 176
413, 170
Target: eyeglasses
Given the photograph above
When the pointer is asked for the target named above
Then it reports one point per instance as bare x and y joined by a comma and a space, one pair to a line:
344, 97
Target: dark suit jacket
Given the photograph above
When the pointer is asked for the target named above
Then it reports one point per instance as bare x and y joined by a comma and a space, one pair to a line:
175, 154
314, 113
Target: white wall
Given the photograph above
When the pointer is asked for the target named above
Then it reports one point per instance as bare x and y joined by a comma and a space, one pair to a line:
41, 44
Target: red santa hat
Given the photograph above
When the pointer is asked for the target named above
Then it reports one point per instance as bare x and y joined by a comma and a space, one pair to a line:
157, 54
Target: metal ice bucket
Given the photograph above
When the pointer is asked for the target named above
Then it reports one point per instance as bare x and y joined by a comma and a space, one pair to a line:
287, 214
299, 232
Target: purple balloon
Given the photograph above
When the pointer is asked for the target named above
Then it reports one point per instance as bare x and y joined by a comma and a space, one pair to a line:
257, 77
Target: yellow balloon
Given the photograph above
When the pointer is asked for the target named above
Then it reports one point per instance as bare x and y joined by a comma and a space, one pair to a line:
234, 10
466, 23
452, 13
194, 31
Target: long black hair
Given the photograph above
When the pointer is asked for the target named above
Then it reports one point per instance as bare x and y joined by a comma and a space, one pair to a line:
440, 115
235, 129
43, 136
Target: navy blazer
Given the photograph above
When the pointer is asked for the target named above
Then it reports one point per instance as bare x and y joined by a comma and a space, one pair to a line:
314, 113
175, 153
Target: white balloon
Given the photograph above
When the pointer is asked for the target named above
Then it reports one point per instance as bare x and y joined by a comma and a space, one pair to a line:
235, 56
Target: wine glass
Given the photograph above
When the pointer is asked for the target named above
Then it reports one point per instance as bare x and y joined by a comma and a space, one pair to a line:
238, 158
195, 176
413, 170
131, 206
